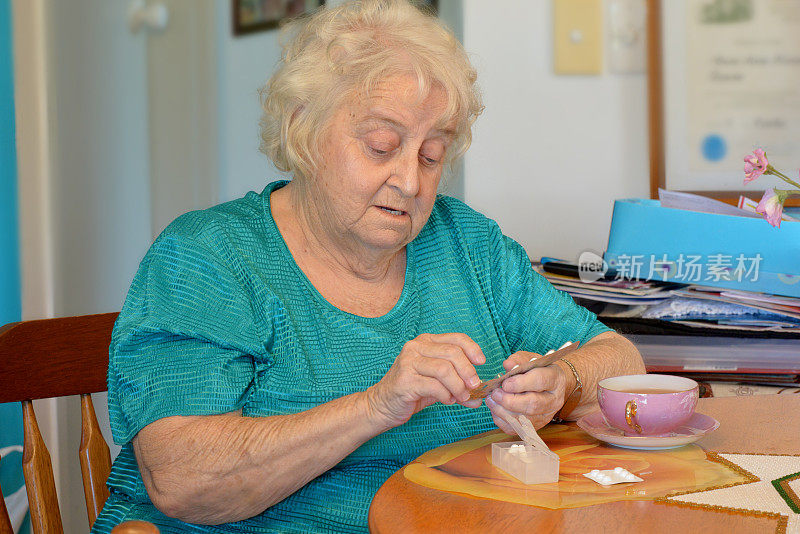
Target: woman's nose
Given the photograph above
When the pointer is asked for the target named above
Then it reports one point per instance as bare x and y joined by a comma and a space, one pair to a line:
406, 175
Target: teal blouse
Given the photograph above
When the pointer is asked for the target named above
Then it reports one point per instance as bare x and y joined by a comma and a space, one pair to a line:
219, 318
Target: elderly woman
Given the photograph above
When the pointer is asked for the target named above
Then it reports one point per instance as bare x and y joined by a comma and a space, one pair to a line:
279, 356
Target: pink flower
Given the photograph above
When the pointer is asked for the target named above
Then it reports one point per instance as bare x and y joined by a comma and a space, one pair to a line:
771, 207
755, 165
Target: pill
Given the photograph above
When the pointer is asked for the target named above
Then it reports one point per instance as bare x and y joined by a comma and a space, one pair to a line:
619, 470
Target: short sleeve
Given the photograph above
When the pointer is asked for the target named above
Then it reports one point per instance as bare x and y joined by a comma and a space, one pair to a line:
536, 317
186, 341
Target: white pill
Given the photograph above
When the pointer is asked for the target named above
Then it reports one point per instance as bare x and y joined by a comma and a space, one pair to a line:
595, 472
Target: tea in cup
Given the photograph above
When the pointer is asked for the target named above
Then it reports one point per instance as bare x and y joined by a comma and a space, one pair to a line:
647, 405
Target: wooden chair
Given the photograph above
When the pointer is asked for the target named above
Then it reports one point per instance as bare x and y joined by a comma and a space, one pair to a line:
54, 358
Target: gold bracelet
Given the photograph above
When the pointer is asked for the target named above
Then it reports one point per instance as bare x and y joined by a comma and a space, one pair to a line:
573, 399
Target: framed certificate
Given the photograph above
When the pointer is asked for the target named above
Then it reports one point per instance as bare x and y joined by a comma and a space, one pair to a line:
723, 79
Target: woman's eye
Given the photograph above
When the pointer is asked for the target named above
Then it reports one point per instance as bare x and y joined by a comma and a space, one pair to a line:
431, 158
431, 153
380, 144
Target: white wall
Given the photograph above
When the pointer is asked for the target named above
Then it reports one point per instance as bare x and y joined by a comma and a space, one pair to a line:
550, 153
100, 192
244, 65
182, 111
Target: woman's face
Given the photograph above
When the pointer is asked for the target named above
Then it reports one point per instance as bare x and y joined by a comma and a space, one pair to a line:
381, 161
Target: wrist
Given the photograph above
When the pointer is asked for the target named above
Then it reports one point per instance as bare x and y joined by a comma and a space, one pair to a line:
570, 383
376, 418
572, 393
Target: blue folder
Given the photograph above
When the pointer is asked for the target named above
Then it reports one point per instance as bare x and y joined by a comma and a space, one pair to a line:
706, 249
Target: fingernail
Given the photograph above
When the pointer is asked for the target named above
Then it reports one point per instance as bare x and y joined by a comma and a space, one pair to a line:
497, 396
474, 382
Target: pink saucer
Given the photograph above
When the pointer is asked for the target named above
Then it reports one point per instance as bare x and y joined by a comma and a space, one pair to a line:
697, 427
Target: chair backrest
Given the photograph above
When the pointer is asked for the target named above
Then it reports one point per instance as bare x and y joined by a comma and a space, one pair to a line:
55, 358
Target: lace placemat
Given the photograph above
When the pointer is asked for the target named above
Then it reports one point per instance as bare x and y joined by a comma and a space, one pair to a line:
773, 492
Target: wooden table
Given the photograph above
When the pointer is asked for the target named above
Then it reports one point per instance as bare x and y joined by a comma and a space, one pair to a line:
768, 424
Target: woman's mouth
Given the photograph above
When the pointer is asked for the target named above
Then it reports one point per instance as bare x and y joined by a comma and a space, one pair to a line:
392, 211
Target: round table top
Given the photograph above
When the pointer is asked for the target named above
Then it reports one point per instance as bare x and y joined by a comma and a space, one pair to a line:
767, 424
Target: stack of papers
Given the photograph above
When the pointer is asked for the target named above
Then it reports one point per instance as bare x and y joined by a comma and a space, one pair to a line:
691, 202
690, 305
625, 292
768, 311
755, 360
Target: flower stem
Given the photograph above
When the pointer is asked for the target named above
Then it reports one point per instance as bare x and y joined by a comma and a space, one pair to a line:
790, 181
782, 176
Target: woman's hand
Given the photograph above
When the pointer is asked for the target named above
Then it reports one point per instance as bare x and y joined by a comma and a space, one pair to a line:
430, 368
537, 394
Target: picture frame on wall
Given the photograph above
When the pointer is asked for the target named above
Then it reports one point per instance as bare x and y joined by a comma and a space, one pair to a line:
250, 16
720, 86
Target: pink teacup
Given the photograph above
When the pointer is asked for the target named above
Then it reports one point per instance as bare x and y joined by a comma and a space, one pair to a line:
647, 405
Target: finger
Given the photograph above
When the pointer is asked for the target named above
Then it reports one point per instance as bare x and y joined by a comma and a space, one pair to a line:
518, 358
432, 388
470, 348
499, 416
455, 355
442, 370
473, 403
498, 409
530, 403
539, 380
502, 425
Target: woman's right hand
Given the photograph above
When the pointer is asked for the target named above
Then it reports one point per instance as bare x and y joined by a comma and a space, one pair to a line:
429, 368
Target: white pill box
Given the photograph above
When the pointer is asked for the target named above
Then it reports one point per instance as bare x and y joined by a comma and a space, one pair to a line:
523, 462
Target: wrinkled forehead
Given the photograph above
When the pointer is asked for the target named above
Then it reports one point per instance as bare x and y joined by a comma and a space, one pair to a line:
404, 95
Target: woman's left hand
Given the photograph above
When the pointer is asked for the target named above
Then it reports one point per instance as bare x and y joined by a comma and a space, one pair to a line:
537, 394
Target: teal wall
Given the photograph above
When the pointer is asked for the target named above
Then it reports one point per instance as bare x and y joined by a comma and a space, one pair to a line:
10, 304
